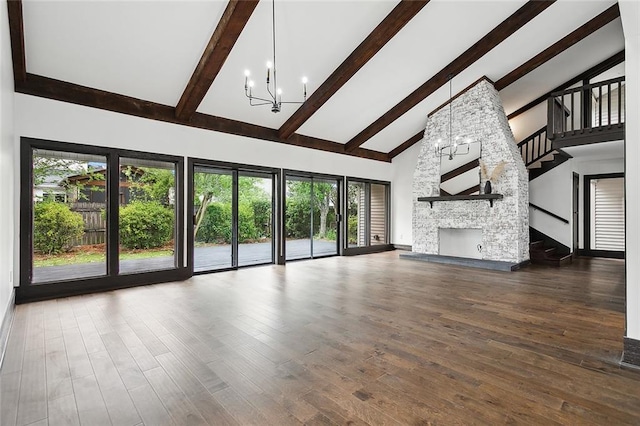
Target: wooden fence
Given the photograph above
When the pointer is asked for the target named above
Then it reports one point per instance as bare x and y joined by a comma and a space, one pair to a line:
95, 225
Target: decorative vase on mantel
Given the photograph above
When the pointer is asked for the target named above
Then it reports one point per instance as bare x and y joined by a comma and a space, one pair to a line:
487, 187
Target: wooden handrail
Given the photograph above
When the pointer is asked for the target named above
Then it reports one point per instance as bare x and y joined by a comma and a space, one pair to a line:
535, 147
553, 215
587, 86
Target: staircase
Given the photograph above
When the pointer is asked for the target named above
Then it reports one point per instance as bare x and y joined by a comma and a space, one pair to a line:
545, 250
539, 157
538, 154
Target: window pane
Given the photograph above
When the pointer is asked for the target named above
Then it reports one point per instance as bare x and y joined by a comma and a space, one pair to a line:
213, 226
255, 219
298, 218
356, 215
325, 212
69, 225
147, 215
378, 214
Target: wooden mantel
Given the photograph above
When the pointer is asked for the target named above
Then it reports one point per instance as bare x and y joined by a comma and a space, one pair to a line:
490, 197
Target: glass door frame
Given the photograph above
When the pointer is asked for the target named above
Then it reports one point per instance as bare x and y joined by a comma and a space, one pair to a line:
236, 170
368, 247
29, 291
339, 180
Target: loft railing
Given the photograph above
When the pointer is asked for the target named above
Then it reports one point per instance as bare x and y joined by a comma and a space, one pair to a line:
593, 112
535, 147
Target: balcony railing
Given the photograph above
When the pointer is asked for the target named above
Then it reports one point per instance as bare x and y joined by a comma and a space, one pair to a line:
587, 114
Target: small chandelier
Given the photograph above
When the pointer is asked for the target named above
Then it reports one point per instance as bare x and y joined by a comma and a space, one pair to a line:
275, 93
457, 145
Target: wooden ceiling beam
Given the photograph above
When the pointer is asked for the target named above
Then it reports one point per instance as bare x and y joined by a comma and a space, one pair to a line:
594, 71
385, 31
233, 21
500, 33
16, 33
579, 34
86, 96
406, 145
560, 46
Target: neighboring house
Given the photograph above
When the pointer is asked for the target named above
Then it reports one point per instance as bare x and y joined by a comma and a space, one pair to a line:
90, 187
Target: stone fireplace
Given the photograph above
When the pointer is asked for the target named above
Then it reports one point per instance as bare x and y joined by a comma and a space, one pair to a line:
504, 223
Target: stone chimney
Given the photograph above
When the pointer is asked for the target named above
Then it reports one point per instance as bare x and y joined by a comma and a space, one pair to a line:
479, 114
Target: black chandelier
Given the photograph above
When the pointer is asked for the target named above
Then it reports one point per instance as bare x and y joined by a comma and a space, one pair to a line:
275, 93
453, 146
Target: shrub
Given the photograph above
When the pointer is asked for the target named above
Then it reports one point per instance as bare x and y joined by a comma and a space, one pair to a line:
331, 235
298, 219
262, 217
216, 224
353, 229
246, 223
145, 224
55, 227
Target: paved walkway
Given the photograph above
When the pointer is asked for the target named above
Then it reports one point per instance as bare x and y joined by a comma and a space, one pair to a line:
206, 259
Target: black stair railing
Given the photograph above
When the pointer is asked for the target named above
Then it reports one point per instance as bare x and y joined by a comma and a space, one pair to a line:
535, 147
547, 212
597, 106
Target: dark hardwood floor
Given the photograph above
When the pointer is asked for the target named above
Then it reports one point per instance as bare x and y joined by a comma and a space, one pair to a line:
345, 340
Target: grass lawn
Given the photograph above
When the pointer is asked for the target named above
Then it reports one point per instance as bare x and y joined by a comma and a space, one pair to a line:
92, 255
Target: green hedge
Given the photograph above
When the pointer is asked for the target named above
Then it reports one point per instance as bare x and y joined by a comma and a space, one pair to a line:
216, 224
145, 224
55, 227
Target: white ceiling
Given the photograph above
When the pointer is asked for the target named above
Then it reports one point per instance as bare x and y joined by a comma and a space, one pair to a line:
149, 49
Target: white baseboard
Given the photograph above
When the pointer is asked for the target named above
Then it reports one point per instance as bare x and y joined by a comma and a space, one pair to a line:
5, 324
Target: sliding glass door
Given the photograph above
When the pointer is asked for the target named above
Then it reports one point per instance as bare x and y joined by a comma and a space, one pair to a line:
312, 207
213, 218
326, 211
255, 218
367, 215
233, 209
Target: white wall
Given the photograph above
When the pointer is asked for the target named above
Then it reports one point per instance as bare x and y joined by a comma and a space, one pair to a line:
402, 195
6, 162
630, 14
46, 119
552, 191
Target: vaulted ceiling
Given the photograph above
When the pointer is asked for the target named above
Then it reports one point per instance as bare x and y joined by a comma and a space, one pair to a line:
376, 68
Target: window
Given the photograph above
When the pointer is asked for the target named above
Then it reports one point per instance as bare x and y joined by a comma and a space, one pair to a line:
68, 227
147, 215
97, 218
607, 207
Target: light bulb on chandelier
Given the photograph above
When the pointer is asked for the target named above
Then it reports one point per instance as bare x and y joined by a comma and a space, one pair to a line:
274, 92
459, 145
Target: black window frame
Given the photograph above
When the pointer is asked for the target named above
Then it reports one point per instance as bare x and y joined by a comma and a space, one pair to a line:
28, 291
